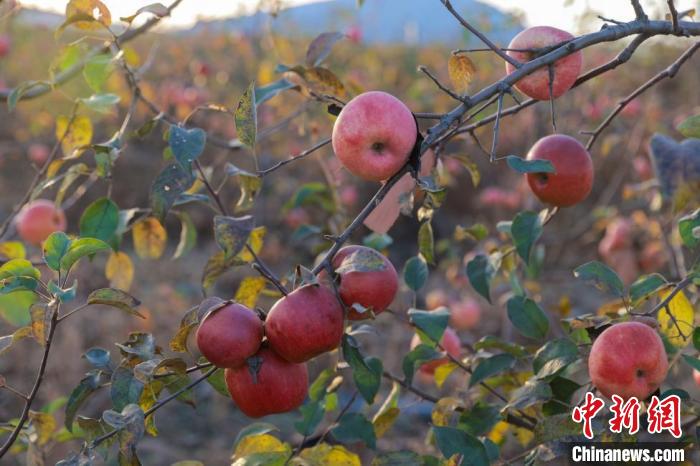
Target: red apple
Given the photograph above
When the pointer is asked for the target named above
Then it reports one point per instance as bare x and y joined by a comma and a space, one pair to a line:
229, 335
653, 257
642, 167
296, 217
373, 289
373, 135
465, 314
38, 153
305, 323
696, 377
566, 69
573, 178
5, 45
618, 235
38, 219
279, 386
628, 359
450, 342
349, 196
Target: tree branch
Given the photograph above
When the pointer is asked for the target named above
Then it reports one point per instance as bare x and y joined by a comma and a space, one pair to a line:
674, 15
639, 11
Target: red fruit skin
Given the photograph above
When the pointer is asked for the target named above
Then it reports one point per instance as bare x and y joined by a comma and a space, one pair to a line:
230, 335
375, 289
281, 386
373, 135
566, 70
696, 377
573, 178
305, 323
450, 341
5, 46
38, 153
629, 360
38, 219
465, 314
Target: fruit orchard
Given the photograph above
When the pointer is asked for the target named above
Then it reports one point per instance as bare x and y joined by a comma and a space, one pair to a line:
393, 257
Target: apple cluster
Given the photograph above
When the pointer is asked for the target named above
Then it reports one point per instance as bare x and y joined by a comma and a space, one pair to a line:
265, 360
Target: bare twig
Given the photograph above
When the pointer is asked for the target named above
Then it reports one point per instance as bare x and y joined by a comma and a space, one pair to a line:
674, 15
299, 156
437, 82
639, 11
481, 36
669, 72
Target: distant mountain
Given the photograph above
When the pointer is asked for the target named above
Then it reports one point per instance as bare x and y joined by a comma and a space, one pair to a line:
381, 21
40, 18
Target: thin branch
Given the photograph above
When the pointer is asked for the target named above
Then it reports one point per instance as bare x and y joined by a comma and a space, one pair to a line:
496, 127
437, 82
478, 34
680, 286
70, 313
158, 405
639, 11
299, 156
674, 15
669, 72
37, 383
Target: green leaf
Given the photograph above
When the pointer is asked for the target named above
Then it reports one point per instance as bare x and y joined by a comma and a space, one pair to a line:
451, 441
432, 323
265, 93
398, 458
115, 298
18, 92
480, 272
602, 277
689, 228
490, 342
318, 388
232, 233
167, 187
310, 193
218, 382
187, 144
19, 271
426, 243
100, 220
416, 357
554, 357
525, 229
80, 248
556, 427
362, 260
527, 317
415, 272
355, 427
311, 415
529, 166
320, 47
14, 307
476, 232
490, 367
79, 395
256, 428
377, 241
246, 117
97, 70
692, 362
479, 419
562, 391
54, 248
98, 357
125, 388
366, 372
250, 185
696, 338
646, 286
533, 392
690, 127
102, 103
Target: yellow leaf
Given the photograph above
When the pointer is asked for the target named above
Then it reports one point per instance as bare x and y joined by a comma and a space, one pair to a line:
255, 240
388, 412
44, 424
326, 455
12, 250
444, 409
498, 432
119, 270
149, 238
248, 291
74, 137
39, 322
442, 372
53, 169
678, 332
93, 8
263, 443
461, 70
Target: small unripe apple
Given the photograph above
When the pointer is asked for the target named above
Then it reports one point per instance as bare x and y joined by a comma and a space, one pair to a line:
38, 153
566, 69
450, 342
5, 45
38, 219
572, 180
305, 323
465, 314
278, 386
230, 335
373, 289
629, 360
373, 135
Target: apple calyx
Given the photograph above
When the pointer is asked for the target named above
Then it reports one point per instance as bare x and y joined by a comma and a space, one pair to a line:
254, 365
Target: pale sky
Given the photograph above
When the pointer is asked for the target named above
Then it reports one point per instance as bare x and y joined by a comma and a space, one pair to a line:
559, 13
